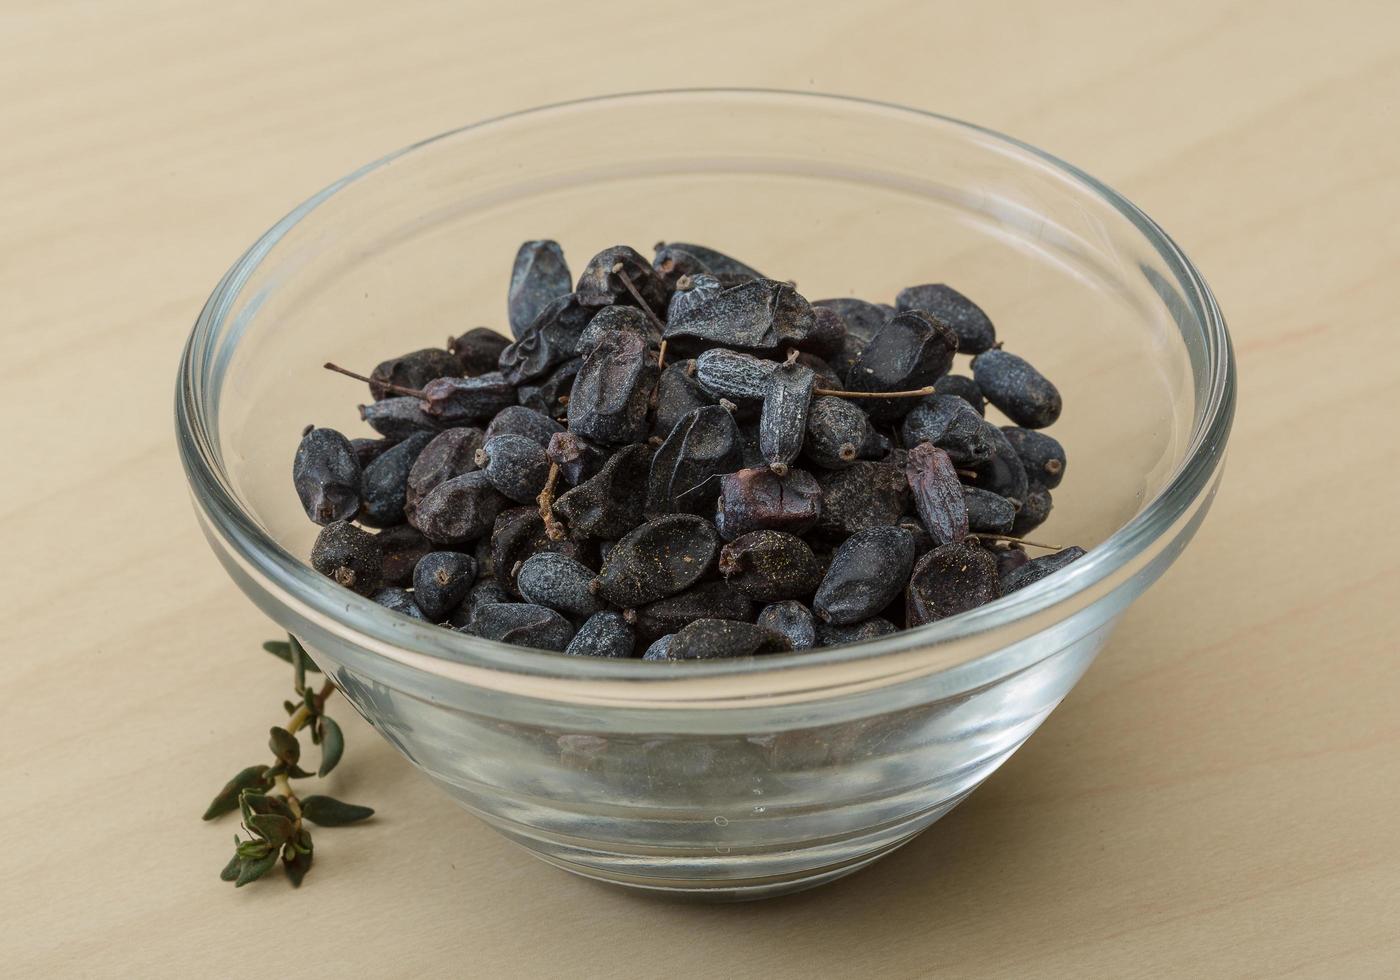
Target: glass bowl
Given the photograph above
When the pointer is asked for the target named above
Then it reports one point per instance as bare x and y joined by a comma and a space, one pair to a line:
727, 779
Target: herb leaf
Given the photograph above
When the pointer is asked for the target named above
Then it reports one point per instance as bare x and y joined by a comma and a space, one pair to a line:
255, 868
271, 827
330, 812
300, 860
332, 745
285, 746
230, 872
254, 777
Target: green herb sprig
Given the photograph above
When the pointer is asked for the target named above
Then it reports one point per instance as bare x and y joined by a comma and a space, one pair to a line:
274, 817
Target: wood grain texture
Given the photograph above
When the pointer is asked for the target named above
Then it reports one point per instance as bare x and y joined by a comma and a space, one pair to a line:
1217, 797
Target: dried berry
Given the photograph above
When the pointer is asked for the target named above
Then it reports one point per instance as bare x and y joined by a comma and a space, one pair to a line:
448, 455
952, 425
660, 649
515, 465
923, 541
750, 453
1009, 558
467, 401
759, 315
539, 276
484, 592
550, 394
963, 387
519, 533
577, 458
1041, 454
559, 582
713, 639
864, 496
673, 264
478, 351
399, 600
607, 505
715, 262
834, 635
368, 450
839, 433
677, 395
910, 351
604, 634
613, 318
757, 498
783, 423
385, 482
867, 572
708, 600
599, 285
950, 579
1018, 389
768, 566
399, 418
660, 558
1037, 568
937, 492
863, 320
521, 624
521, 421
326, 474
441, 580
973, 327
988, 513
692, 291
551, 340
403, 547
1035, 508
827, 338
791, 620
413, 370
459, 510
730, 374
1004, 473
349, 556
612, 390
685, 471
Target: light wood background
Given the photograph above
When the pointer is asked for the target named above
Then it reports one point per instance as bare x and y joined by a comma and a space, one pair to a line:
1218, 797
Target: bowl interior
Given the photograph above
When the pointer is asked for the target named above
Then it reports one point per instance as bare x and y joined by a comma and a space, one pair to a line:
846, 198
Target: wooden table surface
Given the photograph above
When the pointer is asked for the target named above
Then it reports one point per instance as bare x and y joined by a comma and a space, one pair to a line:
1218, 796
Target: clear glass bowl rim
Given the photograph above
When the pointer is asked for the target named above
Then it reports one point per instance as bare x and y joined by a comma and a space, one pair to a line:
372, 627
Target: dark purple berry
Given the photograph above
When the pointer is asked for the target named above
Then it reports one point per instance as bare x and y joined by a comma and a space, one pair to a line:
1037, 568
441, 580
521, 624
952, 425
1009, 558
708, 600
413, 371
973, 327
732, 375
604, 634
950, 579
539, 276
864, 496
521, 421
577, 458
478, 351
692, 291
835, 635
1034, 511
937, 492
551, 340
660, 558
611, 319
399, 600
1004, 473
685, 471
1041, 454
399, 418
716, 263
759, 315
611, 393
326, 473
910, 351
448, 455
677, 395
559, 582
961, 386
609, 504
550, 395
793, 621
403, 547
863, 320
660, 649
459, 510
757, 498
368, 450
827, 338
484, 592
515, 465
519, 533
839, 434
768, 566
1018, 389
867, 572
714, 639
349, 556
467, 401
384, 484
599, 285
783, 422
988, 513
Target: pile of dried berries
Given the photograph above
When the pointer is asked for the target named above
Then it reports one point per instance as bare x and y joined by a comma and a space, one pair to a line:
683, 459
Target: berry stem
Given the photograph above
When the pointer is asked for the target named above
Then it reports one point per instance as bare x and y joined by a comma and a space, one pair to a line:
387, 386
982, 536
839, 393
552, 527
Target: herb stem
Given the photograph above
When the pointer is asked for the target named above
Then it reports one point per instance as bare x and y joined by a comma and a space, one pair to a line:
841, 393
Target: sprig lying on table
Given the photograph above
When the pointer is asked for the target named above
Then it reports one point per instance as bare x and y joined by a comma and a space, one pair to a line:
274, 817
